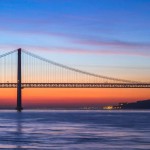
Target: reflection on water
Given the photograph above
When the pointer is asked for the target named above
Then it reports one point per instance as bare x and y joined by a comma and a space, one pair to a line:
69, 130
19, 130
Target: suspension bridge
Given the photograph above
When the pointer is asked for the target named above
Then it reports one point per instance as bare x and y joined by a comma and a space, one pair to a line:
23, 69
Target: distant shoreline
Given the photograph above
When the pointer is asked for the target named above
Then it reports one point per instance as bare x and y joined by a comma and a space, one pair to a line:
138, 105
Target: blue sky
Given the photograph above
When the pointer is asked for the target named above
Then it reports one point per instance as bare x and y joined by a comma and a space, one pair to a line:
110, 37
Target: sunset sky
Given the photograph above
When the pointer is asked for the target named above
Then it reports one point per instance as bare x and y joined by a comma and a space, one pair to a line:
107, 37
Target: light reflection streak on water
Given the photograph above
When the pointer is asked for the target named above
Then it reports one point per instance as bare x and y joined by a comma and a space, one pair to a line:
75, 130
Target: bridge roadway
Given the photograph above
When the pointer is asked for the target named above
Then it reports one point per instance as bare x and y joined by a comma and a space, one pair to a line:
76, 85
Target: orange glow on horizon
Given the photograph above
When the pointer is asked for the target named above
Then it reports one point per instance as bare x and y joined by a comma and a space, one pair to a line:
71, 97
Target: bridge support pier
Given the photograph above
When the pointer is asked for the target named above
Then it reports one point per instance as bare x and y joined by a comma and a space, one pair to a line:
19, 92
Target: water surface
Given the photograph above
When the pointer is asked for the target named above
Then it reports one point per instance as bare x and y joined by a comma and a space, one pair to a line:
75, 130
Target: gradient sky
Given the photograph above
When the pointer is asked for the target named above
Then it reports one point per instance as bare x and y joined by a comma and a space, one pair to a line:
109, 37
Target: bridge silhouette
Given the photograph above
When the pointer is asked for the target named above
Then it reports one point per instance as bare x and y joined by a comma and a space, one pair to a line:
23, 69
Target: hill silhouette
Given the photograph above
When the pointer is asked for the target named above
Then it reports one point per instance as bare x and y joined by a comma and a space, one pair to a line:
144, 104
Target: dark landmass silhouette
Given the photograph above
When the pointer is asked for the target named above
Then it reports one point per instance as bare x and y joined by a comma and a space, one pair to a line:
144, 104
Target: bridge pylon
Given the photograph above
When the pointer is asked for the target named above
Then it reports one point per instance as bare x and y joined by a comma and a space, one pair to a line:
19, 91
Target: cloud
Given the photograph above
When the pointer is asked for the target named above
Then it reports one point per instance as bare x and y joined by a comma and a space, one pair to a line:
70, 50
86, 40
112, 43
100, 46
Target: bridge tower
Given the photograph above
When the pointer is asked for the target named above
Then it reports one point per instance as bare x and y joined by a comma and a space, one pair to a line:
19, 94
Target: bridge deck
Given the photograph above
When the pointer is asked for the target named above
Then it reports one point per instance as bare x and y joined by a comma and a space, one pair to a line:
76, 85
